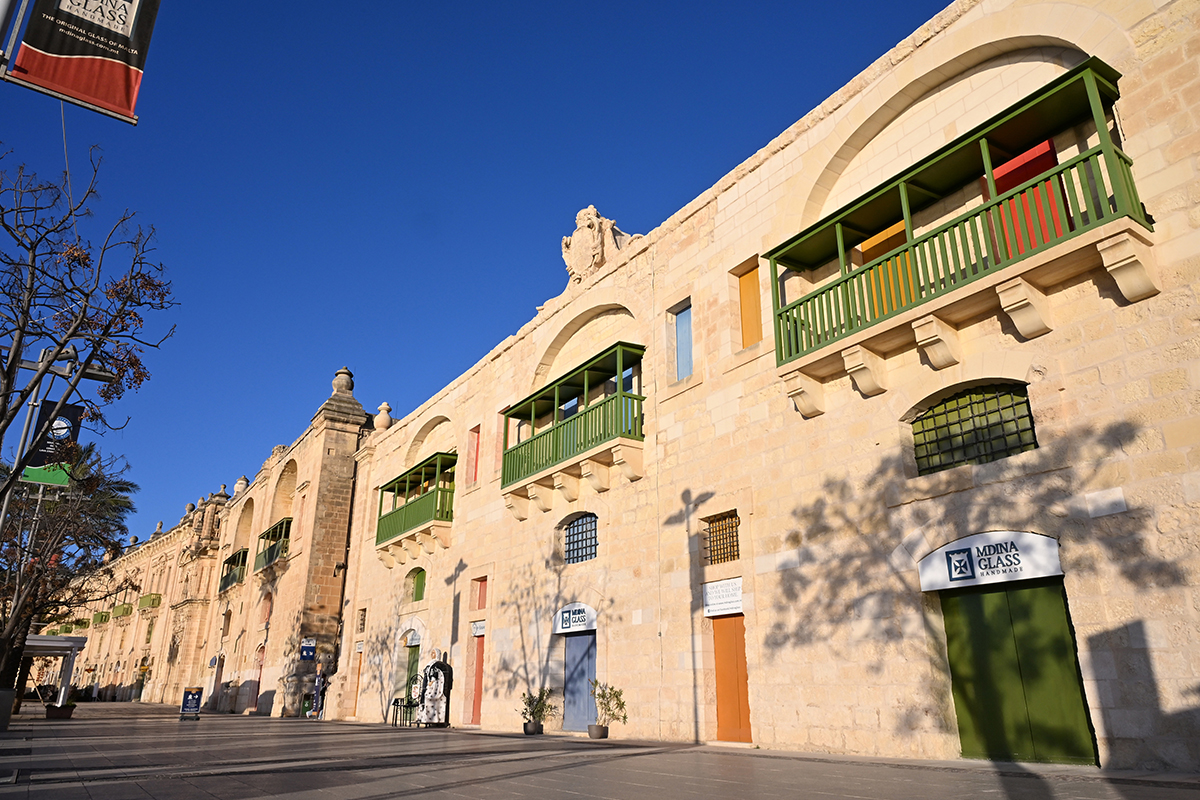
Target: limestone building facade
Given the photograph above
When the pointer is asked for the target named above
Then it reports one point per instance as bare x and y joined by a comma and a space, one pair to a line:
886, 444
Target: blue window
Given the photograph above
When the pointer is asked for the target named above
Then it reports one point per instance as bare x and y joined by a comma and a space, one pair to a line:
683, 343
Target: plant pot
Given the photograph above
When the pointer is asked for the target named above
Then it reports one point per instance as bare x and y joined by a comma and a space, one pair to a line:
533, 728
59, 712
597, 731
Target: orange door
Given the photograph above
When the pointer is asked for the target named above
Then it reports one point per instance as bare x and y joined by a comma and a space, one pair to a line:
733, 696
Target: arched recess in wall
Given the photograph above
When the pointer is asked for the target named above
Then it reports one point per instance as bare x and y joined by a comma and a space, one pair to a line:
585, 335
285, 488
436, 435
937, 117
949, 54
245, 525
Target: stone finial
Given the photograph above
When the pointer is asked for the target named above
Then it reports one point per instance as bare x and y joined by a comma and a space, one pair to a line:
133, 540
383, 420
343, 381
189, 508
158, 531
241, 485
593, 243
221, 495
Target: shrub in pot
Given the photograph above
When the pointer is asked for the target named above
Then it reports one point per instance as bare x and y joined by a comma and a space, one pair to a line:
537, 708
610, 708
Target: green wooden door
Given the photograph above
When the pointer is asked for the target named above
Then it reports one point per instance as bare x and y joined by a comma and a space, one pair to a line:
413, 655
1015, 674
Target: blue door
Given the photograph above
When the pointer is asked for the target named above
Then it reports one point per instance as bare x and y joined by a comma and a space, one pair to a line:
579, 710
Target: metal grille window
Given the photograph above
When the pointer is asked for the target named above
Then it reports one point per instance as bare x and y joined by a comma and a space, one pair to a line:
579, 539
362, 620
981, 424
721, 538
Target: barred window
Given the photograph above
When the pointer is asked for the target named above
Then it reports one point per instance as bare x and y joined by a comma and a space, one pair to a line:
579, 539
975, 426
721, 538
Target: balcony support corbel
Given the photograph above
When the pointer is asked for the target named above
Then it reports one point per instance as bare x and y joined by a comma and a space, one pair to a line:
594, 473
567, 485
939, 341
410, 546
808, 394
542, 496
518, 504
386, 558
1027, 307
441, 534
1130, 260
868, 370
398, 554
629, 461
426, 540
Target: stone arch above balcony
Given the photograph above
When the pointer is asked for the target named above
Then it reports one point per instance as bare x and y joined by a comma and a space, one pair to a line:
435, 435
972, 40
285, 490
587, 332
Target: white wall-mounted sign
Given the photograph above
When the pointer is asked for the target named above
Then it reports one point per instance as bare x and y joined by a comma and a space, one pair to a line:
722, 597
478, 628
358, 647
575, 617
987, 558
414, 638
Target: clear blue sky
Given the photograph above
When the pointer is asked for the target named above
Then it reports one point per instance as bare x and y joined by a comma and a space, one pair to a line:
385, 185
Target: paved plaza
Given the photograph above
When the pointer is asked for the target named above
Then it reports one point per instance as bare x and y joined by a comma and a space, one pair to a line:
125, 750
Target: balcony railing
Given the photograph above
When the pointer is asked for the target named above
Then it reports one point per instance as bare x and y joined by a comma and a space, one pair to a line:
578, 412
153, 600
273, 544
1082, 193
100, 617
232, 578
436, 504
122, 610
613, 417
235, 570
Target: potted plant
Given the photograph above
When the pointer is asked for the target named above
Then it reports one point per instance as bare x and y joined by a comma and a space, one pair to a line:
60, 712
610, 708
536, 709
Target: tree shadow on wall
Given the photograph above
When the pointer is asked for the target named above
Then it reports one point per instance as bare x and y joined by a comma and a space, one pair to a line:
847, 585
382, 657
688, 517
537, 591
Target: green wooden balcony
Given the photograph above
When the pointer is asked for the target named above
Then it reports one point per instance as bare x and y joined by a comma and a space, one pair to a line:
1047, 210
100, 617
81, 624
569, 419
65, 629
153, 600
418, 498
273, 544
234, 570
122, 610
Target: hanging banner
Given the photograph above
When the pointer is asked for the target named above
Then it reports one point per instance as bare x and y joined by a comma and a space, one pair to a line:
987, 558
64, 427
91, 50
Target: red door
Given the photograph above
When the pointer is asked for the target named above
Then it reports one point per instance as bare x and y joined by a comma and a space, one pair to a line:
733, 695
477, 704
1031, 218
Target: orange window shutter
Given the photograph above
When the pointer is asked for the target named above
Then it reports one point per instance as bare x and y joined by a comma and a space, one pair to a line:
751, 306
